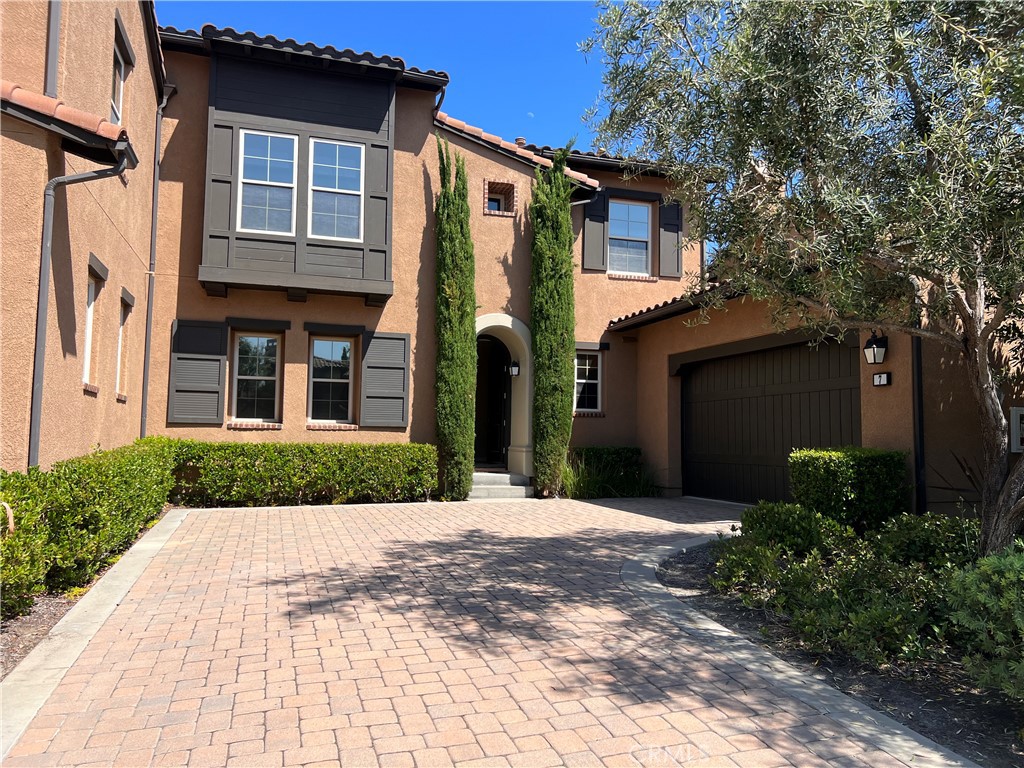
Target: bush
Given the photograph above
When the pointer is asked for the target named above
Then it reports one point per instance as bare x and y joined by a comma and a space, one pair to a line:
988, 610
794, 528
24, 554
271, 474
859, 487
935, 541
606, 472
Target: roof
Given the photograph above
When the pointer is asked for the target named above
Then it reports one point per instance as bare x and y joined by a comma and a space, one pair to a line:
598, 160
680, 305
50, 107
507, 147
210, 35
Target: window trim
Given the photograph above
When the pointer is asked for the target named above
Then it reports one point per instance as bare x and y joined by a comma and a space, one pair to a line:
92, 291
608, 241
351, 379
238, 335
126, 311
117, 110
242, 133
600, 375
310, 189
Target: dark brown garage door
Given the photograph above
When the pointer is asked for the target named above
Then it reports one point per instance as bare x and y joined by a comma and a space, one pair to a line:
742, 416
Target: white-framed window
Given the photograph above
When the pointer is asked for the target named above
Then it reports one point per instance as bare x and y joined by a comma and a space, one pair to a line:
335, 190
266, 200
588, 381
629, 237
121, 356
256, 389
90, 310
120, 74
330, 380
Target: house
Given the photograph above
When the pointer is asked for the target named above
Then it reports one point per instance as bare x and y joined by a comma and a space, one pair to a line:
286, 289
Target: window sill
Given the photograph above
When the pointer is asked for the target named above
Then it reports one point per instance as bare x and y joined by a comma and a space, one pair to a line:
636, 278
326, 426
588, 415
121, 398
90, 389
255, 426
506, 214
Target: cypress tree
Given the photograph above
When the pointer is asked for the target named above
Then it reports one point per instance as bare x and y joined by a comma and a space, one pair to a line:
455, 328
553, 323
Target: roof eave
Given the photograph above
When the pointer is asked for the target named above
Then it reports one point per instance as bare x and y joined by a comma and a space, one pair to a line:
74, 139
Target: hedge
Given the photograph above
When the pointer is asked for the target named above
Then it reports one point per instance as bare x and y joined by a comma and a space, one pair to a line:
859, 487
24, 554
599, 472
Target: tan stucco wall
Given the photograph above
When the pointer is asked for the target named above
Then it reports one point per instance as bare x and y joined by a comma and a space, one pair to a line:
110, 218
23, 34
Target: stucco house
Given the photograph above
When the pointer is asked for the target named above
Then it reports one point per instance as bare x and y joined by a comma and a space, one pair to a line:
261, 267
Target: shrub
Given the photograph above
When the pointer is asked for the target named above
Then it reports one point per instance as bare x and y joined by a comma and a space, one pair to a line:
746, 566
606, 472
794, 528
24, 554
988, 609
936, 541
859, 487
269, 474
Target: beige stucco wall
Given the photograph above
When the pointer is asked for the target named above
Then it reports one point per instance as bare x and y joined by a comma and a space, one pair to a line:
110, 218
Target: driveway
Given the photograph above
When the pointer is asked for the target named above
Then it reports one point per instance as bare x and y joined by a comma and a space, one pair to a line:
486, 633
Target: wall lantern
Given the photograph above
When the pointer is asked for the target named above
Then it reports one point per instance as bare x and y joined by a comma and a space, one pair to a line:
874, 349
514, 368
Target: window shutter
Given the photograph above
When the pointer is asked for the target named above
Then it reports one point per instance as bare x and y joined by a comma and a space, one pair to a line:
595, 233
384, 386
670, 255
199, 363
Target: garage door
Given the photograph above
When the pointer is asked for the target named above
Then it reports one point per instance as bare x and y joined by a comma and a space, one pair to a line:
742, 415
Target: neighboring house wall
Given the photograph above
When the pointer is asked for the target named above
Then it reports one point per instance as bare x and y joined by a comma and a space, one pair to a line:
108, 218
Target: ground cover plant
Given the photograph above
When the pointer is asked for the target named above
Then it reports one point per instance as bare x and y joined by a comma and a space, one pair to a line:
600, 472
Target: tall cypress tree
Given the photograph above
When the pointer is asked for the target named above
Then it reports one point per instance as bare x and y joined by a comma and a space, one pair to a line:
455, 328
553, 323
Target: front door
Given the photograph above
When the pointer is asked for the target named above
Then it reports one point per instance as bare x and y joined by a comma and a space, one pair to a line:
493, 403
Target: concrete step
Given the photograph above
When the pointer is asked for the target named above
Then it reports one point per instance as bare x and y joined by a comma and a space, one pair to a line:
499, 479
501, 492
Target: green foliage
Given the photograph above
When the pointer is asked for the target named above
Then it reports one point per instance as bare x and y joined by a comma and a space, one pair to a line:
746, 566
274, 474
455, 327
988, 608
796, 529
860, 487
606, 472
936, 542
24, 554
553, 323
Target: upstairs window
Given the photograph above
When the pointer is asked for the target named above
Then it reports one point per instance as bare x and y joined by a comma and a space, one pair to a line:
629, 237
267, 199
117, 87
336, 190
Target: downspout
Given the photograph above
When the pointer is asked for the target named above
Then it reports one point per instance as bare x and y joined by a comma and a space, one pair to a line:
920, 479
42, 305
151, 285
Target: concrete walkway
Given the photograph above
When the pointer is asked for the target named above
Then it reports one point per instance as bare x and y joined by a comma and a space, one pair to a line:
525, 633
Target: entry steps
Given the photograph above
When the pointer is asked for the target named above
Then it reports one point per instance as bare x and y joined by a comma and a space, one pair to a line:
500, 485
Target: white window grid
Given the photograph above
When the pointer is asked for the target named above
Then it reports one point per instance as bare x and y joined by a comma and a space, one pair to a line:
117, 87
260, 183
589, 360
349, 380
276, 378
646, 240
360, 194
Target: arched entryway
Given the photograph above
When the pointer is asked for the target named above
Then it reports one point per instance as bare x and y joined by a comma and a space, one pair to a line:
499, 335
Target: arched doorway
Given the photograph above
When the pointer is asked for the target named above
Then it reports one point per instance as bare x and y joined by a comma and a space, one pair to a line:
493, 403
514, 336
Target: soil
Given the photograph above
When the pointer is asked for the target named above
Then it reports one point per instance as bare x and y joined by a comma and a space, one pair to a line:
21, 634
936, 700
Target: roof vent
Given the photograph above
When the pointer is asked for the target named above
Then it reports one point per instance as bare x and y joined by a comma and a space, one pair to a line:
520, 141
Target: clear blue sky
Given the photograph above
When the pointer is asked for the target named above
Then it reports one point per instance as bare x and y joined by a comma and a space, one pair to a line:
515, 68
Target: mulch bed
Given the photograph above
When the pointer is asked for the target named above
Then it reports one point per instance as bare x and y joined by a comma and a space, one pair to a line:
936, 700
18, 636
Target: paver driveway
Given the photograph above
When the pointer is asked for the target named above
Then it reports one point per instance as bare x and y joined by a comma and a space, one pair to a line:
421, 634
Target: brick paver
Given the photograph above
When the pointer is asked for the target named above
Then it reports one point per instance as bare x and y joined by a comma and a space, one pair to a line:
419, 635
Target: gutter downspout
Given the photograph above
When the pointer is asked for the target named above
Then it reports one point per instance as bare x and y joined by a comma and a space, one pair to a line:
151, 285
920, 476
42, 305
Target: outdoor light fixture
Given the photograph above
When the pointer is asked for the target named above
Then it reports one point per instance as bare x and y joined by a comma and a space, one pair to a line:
514, 368
874, 349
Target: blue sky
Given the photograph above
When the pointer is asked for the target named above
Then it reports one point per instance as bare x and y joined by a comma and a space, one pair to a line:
515, 68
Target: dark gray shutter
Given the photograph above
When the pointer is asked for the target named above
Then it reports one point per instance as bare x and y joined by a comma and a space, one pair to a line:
384, 388
199, 363
670, 255
595, 232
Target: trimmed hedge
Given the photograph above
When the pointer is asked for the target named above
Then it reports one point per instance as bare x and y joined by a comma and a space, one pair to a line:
597, 472
792, 527
859, 487
24, 554
275, 474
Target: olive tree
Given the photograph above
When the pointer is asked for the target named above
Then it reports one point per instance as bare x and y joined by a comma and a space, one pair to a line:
860, 166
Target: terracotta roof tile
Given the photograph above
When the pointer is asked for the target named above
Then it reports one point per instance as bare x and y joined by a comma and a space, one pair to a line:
55, 108
497, 142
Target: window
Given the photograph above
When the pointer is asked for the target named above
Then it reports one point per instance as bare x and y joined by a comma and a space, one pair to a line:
499, 198
256, 385
117, 87
588, 381
90, 305
629, 237
330, 380
336, 190
121, 357
494, 203
267, 199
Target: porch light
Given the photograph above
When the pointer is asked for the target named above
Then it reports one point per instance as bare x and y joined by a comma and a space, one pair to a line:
514, 368
874, 349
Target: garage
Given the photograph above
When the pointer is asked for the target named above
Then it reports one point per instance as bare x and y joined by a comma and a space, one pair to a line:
742, 414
